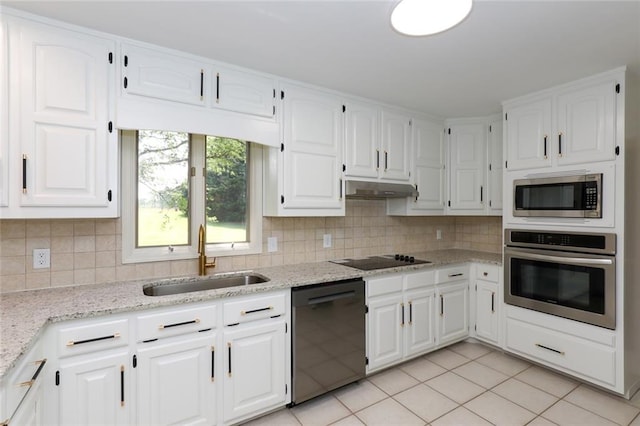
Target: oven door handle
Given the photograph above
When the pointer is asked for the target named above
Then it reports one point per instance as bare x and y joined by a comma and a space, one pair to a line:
574, 260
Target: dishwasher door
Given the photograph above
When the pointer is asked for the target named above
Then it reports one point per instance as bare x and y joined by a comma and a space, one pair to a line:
328, 323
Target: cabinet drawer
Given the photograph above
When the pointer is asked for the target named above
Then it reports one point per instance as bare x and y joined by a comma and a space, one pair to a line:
570, 353
28, 371
456, 273
92, 336
254, 308
488, 273
166, 323
384, 285
420, 279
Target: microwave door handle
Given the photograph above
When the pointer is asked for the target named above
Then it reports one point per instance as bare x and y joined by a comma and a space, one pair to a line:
575, 260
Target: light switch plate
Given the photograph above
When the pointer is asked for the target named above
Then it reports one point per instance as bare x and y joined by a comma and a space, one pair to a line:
272, 244
438, 234
326, 240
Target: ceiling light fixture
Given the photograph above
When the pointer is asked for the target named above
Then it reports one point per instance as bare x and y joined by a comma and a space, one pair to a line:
426, 17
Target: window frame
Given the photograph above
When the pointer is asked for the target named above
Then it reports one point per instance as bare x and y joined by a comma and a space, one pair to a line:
197, 161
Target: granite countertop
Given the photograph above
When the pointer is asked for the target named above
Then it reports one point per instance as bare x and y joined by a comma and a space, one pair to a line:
24, 315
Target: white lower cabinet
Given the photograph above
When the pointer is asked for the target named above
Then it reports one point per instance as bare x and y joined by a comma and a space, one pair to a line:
487, 303
254, 369
452, 298
95, 389
400, 318
176, 381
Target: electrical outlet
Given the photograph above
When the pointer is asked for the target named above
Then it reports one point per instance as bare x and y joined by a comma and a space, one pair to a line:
41, 258
438, 234
272, 244
326, 240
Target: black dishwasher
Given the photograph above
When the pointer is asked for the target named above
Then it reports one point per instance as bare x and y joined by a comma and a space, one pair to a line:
328, 337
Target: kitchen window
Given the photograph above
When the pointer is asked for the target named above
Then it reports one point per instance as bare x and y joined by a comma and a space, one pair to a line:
173, 182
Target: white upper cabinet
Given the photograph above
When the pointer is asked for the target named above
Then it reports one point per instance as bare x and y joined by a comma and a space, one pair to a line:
64, 151
157, 74
586, 128
305, 177
467, 187
529, 135
395, 145
495, 168
378, 143
571, 124
244, 92
362, 153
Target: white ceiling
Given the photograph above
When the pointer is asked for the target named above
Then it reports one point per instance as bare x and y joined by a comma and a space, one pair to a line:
502, 50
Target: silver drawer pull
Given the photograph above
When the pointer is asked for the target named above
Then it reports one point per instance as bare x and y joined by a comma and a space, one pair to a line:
550, 349
178, 324
253, 311
95, 339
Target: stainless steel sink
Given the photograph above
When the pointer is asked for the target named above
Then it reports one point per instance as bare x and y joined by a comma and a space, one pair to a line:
211, 283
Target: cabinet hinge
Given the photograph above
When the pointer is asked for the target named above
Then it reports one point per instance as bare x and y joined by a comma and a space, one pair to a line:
110, 57
286, 389
135, 361
282, 199
286, 328
505, 164
366, 360
344, 108
282, 94
344, 167
489, 203
617, 150
410, 123
489, 166
110, 127
281, 147
126, 61
489, 128
126, 82
366, 309
274, 110
449, 203
475, 328
58, 378
109, 195
505, 116
274, 93
449, 131
618, 88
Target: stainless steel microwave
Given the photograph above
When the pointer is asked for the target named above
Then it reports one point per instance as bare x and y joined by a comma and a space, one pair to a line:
559, 196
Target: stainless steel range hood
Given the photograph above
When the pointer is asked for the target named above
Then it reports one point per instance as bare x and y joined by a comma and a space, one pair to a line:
378, 190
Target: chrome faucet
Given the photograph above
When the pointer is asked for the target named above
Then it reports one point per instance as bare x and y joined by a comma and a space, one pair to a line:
202, 258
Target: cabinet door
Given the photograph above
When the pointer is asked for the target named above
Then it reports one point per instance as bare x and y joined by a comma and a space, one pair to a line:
254, 369
384, 346
453, 318
495, 168
395, 144
467, 159
30, 411
95, 390
244, 92
312, 144
66, 153
419, 316
487, 310
586, 124
429, 165
529, 135
362, 138
175, 382
147, 72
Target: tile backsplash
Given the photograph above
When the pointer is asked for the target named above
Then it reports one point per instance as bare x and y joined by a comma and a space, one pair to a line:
88, 251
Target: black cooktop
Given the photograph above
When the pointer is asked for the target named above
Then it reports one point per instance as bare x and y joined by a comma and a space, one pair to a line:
380, 262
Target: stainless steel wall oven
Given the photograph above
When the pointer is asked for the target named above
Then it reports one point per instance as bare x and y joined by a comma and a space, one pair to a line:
568, 274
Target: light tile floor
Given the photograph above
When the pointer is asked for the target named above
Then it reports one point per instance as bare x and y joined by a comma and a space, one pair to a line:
465, 384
